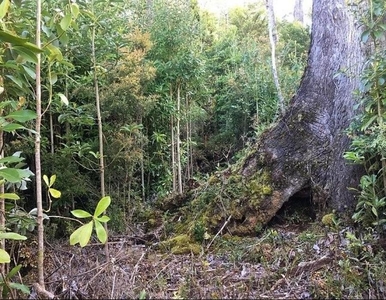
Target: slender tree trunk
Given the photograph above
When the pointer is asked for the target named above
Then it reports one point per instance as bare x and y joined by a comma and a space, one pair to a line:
178, 141
187, 118
2, 201
298, 11
174, 171
52, 134
273, 40
100, 127
142, 168
2, 188
38, 175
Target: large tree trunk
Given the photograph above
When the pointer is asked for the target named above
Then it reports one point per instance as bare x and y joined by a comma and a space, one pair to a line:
305, 149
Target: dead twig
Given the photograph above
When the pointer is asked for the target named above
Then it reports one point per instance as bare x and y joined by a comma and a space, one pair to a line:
311, 265
222, 228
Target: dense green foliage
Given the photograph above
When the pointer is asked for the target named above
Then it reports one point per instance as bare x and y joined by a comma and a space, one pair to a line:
161, 64
368, 131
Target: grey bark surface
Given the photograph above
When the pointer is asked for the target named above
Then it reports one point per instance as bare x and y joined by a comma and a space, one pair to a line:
298, 11
305, 148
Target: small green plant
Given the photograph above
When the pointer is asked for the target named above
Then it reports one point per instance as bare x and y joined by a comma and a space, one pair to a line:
4, 256
7, 285
199, 231
368, 131
51, 191
370, 209
82, 235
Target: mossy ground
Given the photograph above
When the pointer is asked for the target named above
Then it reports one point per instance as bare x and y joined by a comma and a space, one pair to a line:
226, 194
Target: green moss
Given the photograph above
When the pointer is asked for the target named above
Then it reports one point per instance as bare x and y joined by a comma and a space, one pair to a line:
328, 220
181, 244
226, 193
213, 179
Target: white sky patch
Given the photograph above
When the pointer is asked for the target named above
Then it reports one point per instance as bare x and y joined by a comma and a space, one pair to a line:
283, 8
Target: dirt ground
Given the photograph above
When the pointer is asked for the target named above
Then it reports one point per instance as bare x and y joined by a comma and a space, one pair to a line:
284, 262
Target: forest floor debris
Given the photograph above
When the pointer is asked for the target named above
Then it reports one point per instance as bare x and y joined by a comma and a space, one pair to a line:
283, 262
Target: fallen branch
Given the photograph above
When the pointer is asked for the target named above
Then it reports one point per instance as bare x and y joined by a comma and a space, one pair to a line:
311, 265
222, 228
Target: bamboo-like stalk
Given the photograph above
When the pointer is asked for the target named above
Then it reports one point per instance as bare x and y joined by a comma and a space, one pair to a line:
38, 176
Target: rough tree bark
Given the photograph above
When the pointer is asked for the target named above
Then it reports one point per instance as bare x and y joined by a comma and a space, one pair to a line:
304, 149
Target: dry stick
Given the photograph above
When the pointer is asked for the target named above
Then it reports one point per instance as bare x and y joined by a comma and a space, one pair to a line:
222, 228
112, 289
136, 268
100, 271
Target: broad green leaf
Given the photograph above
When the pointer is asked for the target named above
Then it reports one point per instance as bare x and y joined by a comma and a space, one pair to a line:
89, 14
4, 6
54, 193
103, 219
18, 41
63, 98
80, 213
21, 287
10, 196
378, 34
365, 36
12, 127
26, 54
16, 80
4, 257
374, 210
82, 235
102, 205
55, 53
53, 78
74, 237
12, 236
23, 115
31, 73
64, 39
52, 180
65, 22
14, 271
45, 179
24, 173
85, 235
369, 122
10, 175
100, 231
74, 10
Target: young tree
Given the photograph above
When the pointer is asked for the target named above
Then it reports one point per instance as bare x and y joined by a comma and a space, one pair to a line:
38, 174
273, 40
